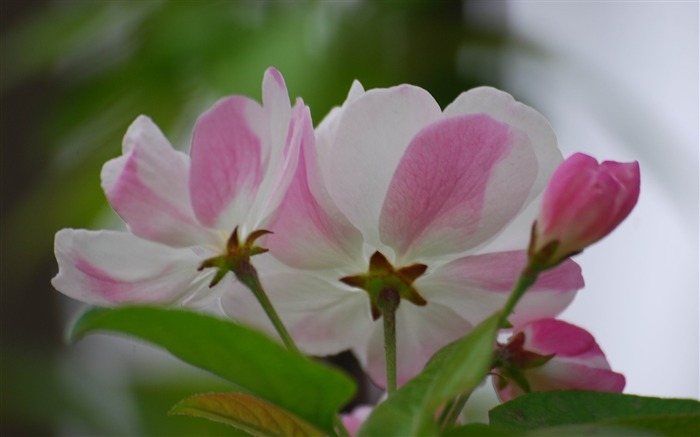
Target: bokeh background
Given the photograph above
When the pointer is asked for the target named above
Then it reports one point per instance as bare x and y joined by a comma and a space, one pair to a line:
618, 80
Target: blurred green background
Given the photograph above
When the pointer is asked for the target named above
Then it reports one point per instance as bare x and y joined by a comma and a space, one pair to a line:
75, 74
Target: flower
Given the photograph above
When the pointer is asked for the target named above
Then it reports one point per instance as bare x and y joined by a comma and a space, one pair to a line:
583, 203
182, 209
354, 420
550, 354
390, 188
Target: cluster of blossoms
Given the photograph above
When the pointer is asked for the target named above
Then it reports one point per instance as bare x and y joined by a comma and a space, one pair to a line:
388, 193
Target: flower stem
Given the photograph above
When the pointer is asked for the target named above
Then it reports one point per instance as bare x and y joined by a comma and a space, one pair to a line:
527, 277
246, 273
449, 419
388, 301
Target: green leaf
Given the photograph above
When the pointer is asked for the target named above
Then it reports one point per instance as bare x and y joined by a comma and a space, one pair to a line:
245, 412
456, 369
249, 359
483, 430
680, 425
478, 430
539, 410
588, 430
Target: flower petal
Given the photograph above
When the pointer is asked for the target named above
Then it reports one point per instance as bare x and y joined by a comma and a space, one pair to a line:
282, 154
278, 109
309, 231
549, 336
461, 180
107, 267
354, 420
321, 317
503, 107
420, 332
578, 362
477, 286
227, 161
560, 375
148, 188
372, 136
327, 129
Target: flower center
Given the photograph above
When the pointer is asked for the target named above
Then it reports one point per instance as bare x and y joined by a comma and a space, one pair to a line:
236, 255
383, 281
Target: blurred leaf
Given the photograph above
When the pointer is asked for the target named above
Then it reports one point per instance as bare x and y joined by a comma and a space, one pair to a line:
35, 396
245, 412
553, 408
479, 430
241, 355
153, 400
587, 430
457, 368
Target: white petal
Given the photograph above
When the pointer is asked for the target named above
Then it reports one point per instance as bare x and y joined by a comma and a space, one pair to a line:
372, 136
420, 332
107, 268
322, 317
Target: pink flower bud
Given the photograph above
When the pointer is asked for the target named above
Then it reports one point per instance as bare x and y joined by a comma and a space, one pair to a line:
570, 360
583, 202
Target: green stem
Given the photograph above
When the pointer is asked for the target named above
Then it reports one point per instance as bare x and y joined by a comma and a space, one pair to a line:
527, 277
525, 280
246, 273
388, 301
455, 410
446, 412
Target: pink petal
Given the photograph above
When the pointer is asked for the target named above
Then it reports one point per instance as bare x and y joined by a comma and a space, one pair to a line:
557, 375
148, 188
502, 107
420, 332
548, 336
354, 420
227, 161
321, 317
578, 362
309, 231
107, 268
627, 175
477, 286
461, 180
371, 137
281, 170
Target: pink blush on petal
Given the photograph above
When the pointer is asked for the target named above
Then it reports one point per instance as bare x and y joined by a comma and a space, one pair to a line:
226, 157
554, 336
438, 190
108, 287
137, 202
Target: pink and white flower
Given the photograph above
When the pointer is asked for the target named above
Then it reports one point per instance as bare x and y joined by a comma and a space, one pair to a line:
181, 209
583, 203
389, 172
576, 363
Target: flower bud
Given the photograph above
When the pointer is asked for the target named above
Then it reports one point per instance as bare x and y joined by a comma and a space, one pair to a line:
549, 354
583, 202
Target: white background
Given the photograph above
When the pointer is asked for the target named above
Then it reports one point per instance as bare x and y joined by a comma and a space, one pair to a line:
619, 81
